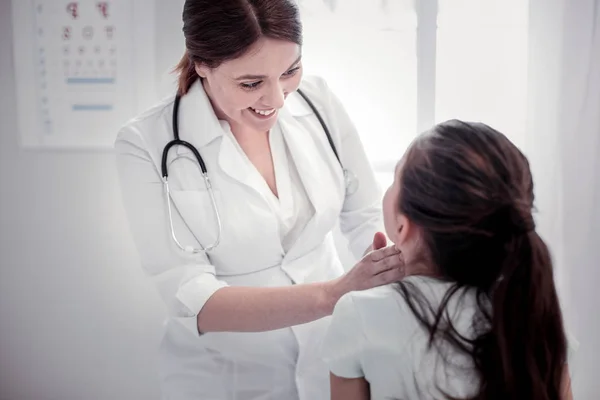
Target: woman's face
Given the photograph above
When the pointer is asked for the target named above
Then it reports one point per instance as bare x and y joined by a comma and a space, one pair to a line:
401, 231
248, 91
391, 212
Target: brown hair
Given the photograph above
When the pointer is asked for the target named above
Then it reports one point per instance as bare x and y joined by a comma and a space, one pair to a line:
220, 30
470, 192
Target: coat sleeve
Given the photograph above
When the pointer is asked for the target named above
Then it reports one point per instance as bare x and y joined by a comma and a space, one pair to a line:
184, 281
361, 215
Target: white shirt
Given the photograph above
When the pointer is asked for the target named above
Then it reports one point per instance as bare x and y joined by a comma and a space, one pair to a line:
295, 209
374, 334
291, 205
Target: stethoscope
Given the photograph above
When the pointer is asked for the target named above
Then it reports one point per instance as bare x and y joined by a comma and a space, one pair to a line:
350, 179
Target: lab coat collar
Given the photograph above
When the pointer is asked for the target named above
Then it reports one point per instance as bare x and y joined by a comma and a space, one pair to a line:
295, 106
198, 123
301, 147
312, 160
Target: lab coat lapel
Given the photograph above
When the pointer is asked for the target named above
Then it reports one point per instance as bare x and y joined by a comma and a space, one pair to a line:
234, 163
198, 123
305, 155
318, 176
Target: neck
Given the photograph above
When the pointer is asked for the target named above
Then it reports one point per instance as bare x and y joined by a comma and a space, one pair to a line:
421, 268
242, 132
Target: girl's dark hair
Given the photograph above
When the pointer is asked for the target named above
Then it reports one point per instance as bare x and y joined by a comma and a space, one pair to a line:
470, 192
220, 30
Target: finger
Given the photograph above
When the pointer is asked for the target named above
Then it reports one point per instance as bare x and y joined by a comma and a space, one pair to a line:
380, 254
379, 241
391, 262
389, 276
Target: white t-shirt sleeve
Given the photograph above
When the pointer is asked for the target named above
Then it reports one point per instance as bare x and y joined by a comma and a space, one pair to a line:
344, 340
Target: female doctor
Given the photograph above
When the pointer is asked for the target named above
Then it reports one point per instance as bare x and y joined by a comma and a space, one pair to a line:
245, 262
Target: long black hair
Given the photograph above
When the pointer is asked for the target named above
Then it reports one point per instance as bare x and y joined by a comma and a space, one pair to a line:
469, 191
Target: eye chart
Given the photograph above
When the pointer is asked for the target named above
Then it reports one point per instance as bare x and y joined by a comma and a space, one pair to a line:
83, 68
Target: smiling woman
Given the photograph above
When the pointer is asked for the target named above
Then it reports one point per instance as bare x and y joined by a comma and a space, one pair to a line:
247, 314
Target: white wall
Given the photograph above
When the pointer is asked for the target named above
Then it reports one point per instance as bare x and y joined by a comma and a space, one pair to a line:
564, 149
580, 145
77, 318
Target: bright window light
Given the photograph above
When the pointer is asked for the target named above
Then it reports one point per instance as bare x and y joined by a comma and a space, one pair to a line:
476, 68
367, 53
481, 72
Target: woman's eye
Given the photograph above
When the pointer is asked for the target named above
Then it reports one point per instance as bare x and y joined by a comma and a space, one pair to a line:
255, 85
292, 71
251, 85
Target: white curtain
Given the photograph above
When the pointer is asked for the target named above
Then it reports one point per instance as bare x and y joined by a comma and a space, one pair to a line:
564, 147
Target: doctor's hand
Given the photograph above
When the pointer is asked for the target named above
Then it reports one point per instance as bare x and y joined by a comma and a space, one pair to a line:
379, 242
378, 267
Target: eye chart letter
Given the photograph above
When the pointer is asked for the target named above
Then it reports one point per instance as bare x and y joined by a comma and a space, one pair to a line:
83, 68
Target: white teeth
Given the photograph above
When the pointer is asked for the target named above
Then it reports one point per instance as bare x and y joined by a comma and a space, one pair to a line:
263, 112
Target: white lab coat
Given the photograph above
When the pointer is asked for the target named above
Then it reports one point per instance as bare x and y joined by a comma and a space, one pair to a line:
281, 364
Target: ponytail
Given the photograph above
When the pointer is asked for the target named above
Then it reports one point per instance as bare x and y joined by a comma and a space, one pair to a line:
187, 74
475, 223
520, 351
523, 355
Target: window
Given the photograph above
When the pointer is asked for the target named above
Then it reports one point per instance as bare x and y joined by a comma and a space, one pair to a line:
482, 61
399, 66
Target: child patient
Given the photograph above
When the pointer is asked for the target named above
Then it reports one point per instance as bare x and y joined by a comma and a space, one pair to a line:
479, 318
